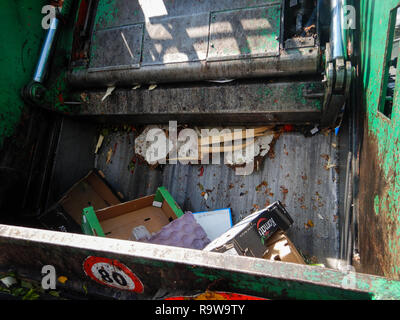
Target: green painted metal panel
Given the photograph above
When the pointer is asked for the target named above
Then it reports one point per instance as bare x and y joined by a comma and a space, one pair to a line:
20, 43
380, 166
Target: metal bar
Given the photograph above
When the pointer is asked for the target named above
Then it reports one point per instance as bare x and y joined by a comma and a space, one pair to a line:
290, 62
44, 58
337, 38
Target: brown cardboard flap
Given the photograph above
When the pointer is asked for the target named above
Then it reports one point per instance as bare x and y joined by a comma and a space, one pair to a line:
91, 189
102, 190
168, 210
120, 227
280, 248
123, 208
119, 220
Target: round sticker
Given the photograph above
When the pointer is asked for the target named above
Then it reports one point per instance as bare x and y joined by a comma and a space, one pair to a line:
112, 273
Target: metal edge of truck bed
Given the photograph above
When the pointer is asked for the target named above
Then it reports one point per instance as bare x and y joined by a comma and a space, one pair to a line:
171, 268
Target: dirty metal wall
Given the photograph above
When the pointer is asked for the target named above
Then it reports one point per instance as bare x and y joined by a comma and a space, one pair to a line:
164, 271
182, 41
301, 172
237, 102
379, 215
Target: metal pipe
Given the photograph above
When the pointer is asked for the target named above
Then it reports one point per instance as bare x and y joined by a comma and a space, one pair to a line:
292, 62
49, 43
45, 54
337, 35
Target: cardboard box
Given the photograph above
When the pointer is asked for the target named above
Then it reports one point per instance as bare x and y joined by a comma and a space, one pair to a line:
249, 237
149, 213
92, 190
280, 248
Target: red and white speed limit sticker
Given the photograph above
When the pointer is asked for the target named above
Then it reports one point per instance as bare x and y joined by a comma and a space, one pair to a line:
112, 273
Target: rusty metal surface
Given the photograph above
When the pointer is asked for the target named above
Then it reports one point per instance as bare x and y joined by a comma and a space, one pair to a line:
375, 229
235, 102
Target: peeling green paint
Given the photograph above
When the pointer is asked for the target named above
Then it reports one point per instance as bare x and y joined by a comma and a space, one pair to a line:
376, 205
106, 13
384, 131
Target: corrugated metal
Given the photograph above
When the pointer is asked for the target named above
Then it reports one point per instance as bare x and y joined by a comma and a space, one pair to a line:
298, 176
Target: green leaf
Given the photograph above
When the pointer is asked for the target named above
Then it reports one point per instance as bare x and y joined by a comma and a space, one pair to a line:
54, 294
31, 295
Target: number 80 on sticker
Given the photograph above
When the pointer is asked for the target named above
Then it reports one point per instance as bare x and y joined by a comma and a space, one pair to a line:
112, 273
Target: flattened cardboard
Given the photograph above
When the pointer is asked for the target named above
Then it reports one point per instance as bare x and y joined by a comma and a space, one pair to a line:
91, 189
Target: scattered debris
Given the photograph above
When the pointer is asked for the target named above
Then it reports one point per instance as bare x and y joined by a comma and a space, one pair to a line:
8, 281
62, 279
108, 93
84, 97
263, 183
314, 130
99, 143
309, 224
330, 166
284, 190
201, 171
109, 155
325, 156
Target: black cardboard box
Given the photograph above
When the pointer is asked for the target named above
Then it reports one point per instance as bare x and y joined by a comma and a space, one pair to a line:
249, 237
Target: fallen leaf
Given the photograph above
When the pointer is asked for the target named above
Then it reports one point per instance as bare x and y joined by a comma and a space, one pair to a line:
309, 224
325, 156
108, 92
62, 279
136, 87
152, 87
84, 96
330, 166
264, 183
